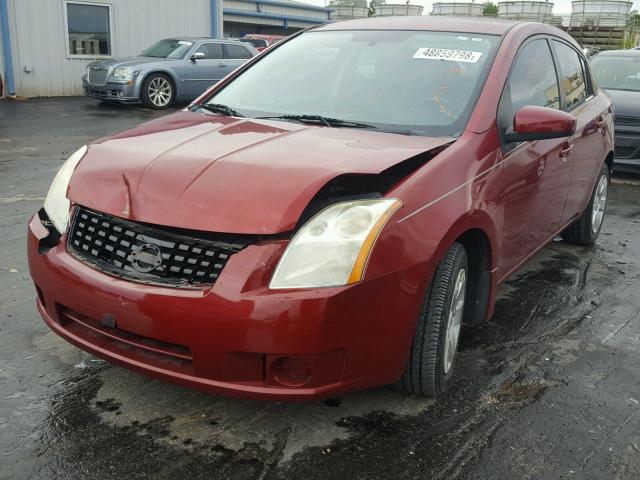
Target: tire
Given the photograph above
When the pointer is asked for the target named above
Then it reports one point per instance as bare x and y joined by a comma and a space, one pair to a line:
431, 363
585, 230
157, 91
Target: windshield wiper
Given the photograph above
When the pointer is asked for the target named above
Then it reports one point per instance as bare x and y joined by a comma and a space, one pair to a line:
218, 108
317, 119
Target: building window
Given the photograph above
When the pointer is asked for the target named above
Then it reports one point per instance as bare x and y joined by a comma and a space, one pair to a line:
88, 29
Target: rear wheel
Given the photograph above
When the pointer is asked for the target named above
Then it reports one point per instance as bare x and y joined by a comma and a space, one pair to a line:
157, 91
585, 230
430, 365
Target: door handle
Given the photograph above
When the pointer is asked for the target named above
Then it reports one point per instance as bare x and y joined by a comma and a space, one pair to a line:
222, 64
566, 149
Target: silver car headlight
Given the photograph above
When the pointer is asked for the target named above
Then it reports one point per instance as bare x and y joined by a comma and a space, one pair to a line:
57, 204
333, 248
122, 73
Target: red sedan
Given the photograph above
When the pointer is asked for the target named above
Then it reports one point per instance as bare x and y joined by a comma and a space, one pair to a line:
261, 42
332, 230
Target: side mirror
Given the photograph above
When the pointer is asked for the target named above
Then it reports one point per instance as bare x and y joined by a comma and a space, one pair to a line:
540, 123
197, 56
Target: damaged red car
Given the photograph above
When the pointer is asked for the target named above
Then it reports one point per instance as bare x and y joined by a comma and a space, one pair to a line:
333, 229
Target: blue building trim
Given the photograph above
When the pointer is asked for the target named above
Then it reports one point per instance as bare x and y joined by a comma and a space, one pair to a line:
284, 18
290, 5
6, 47
215, 33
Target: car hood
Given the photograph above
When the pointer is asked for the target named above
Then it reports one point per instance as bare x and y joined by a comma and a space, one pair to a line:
129, 62
224, 174
626, 104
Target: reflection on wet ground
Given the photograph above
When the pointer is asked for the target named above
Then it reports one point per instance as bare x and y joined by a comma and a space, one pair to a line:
549, 388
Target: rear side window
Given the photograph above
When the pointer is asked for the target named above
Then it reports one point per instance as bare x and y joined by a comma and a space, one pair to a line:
532, 80
235, 51
210, 50
572, 79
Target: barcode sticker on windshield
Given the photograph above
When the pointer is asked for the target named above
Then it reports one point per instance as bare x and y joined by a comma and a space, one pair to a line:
451, 55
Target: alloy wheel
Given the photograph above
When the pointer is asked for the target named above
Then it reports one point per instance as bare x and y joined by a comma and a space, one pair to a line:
454, 322
159, 91
599, 204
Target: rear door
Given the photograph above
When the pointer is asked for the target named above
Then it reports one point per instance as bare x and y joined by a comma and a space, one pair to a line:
202, 73
235, 54
588, 147
536, 173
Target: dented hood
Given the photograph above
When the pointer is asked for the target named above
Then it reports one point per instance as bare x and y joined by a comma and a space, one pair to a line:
221, 174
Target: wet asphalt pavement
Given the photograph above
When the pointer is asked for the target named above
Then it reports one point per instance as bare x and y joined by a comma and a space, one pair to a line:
549, 389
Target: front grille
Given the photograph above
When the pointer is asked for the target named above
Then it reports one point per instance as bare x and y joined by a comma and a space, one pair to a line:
625, 152
149, 254
97, 76
630, 121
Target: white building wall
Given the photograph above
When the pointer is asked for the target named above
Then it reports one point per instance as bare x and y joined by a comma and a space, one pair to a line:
38, 38
2, 72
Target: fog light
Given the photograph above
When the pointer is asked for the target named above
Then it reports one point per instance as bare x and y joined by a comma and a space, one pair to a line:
291, 371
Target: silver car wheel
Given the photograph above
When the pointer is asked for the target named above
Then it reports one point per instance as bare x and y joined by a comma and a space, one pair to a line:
599, 204
159, 91
454, 322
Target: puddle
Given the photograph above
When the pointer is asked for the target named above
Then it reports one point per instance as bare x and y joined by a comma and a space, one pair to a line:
202, 419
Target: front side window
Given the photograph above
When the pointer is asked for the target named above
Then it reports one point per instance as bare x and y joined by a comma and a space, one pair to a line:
167, 48
572, 79
89, 29
617, 72
211, 51
532, 80
411, 82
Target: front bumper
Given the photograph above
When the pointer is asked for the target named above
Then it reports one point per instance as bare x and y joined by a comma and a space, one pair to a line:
627, 150
120, 92
229, 339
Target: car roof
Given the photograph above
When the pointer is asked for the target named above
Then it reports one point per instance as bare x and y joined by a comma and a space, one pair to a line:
480, 25
189, 39
200, 39
619, 53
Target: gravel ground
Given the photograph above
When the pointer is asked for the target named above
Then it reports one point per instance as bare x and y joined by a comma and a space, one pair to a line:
549, 388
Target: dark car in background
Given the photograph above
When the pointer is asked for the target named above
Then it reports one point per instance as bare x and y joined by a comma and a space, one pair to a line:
171, 69
618, 72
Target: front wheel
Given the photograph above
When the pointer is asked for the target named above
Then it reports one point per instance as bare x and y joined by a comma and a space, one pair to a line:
430, 365
157, 91
585, 230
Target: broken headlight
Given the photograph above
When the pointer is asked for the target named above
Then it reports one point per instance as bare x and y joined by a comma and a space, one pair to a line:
333, 248
57, 204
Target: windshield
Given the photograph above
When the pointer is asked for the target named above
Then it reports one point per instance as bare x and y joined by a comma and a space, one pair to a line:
255, 42
168, 48
617, 73
412, 82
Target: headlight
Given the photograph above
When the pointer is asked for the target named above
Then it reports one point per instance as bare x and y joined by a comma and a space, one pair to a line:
333, 247
57, 204
121, 73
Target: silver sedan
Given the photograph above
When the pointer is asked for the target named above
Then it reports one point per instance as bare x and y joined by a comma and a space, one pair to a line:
171, 69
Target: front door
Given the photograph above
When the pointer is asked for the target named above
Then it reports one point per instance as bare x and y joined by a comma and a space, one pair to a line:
536, 174
201, 73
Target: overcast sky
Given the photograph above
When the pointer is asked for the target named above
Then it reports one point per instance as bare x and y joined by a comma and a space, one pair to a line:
560, 7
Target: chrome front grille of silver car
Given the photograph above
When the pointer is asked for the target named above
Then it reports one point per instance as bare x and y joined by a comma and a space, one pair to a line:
98, 75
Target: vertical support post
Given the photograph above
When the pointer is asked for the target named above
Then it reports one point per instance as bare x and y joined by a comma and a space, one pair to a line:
217, 20
6, 48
